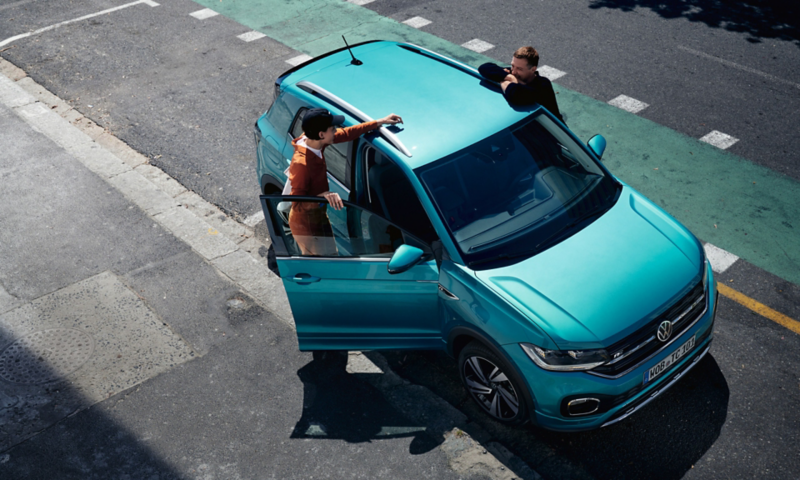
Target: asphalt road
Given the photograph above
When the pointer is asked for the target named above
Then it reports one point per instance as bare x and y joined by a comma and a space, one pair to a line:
185, 92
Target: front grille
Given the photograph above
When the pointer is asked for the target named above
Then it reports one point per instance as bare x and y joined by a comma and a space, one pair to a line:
608, 402
629, 352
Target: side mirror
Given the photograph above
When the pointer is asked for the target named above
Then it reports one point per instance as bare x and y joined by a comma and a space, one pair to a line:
404, 258
597, 144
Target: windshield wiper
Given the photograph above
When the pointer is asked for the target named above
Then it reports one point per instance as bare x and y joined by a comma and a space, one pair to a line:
509, 256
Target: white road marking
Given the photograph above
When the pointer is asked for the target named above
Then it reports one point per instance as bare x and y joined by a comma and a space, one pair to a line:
720, 259
719, 139
295, 61
550, 73
739, 67
360, 2
204, 13
51, 27
628, 104
417, 22
250, 36
477, 45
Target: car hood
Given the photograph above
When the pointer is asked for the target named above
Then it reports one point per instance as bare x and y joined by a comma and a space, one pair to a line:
600, 284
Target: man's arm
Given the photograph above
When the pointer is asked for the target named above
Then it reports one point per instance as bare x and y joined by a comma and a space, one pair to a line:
517, 94
493, 72
540, 92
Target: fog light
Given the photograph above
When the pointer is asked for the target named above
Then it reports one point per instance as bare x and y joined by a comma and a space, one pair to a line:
582, 406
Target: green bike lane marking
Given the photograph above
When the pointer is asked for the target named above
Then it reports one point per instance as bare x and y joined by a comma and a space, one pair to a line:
724, 199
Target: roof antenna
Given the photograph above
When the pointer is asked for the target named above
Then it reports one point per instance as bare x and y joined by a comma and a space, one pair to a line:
354, 61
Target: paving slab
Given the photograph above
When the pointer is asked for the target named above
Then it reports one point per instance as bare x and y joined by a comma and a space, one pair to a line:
61, 223
76, 347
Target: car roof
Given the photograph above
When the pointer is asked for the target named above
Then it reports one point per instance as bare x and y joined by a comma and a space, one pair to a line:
445, 105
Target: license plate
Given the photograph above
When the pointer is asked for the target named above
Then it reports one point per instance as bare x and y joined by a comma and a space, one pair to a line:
664, 364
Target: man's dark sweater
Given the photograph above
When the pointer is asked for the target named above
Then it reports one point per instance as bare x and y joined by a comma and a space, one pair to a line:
540, 90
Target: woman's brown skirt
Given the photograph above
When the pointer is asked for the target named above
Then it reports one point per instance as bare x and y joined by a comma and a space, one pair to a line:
312, 230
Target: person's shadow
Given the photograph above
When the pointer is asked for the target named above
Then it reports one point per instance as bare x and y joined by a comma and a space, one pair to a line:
337, 405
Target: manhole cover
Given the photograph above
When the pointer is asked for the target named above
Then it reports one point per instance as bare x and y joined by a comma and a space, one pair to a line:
45, 356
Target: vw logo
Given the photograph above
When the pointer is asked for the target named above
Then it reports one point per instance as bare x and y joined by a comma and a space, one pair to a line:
664, 330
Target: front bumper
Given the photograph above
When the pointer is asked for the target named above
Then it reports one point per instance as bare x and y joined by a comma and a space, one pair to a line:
620, 397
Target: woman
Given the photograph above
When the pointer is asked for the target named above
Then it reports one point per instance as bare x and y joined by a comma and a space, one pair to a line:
308, 221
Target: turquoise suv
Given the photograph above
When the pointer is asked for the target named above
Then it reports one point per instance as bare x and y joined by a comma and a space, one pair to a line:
487, 231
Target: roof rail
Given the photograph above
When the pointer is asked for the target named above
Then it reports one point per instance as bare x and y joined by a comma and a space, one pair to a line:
444, 59
331, 98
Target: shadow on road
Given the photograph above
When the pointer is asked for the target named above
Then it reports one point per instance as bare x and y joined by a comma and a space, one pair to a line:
663, 440
761, 19
337, 405
47, 428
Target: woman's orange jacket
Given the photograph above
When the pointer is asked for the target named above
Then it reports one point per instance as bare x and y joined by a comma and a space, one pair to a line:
309, 176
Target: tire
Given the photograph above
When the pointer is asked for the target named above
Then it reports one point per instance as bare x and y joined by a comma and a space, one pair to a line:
492, 384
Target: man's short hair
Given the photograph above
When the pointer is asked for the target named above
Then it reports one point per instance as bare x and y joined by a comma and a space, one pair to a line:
528, 53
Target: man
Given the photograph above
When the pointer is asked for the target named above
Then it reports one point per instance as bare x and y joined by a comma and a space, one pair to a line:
308, 175
522, 84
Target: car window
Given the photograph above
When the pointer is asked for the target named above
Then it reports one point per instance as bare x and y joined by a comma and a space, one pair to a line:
518, 190
390, 194
337, 156
279, 115
307, 230
297, 124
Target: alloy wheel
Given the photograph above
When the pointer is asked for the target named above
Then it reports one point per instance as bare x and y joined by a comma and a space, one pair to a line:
491, 388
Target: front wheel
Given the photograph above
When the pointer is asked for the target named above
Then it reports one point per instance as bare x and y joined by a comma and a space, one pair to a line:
492, 384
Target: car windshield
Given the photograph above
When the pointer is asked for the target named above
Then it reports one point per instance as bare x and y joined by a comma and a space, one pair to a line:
518, 191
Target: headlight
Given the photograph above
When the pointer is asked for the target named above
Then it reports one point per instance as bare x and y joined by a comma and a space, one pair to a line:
565, 361
705, 275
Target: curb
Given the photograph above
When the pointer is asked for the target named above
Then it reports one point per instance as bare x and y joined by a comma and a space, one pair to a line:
233, 249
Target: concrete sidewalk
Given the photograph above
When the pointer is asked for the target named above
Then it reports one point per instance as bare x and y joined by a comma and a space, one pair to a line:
142, 335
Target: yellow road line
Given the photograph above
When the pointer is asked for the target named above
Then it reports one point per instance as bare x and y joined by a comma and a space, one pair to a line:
759, 308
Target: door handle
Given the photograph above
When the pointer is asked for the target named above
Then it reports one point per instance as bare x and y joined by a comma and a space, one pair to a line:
304, 278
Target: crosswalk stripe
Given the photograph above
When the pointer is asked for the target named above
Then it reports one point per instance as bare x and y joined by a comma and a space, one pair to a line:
719, 139
204, 13
628, 104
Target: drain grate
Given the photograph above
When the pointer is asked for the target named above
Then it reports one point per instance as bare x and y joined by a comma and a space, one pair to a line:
45, 356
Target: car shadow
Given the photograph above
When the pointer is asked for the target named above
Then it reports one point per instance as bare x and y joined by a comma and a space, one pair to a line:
341, 406
761, 19
663, 440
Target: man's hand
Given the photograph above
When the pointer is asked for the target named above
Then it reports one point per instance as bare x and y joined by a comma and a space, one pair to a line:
333, 199
508, 81
391, 119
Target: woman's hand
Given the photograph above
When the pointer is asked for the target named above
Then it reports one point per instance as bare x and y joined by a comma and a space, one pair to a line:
390, 119
333, 199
